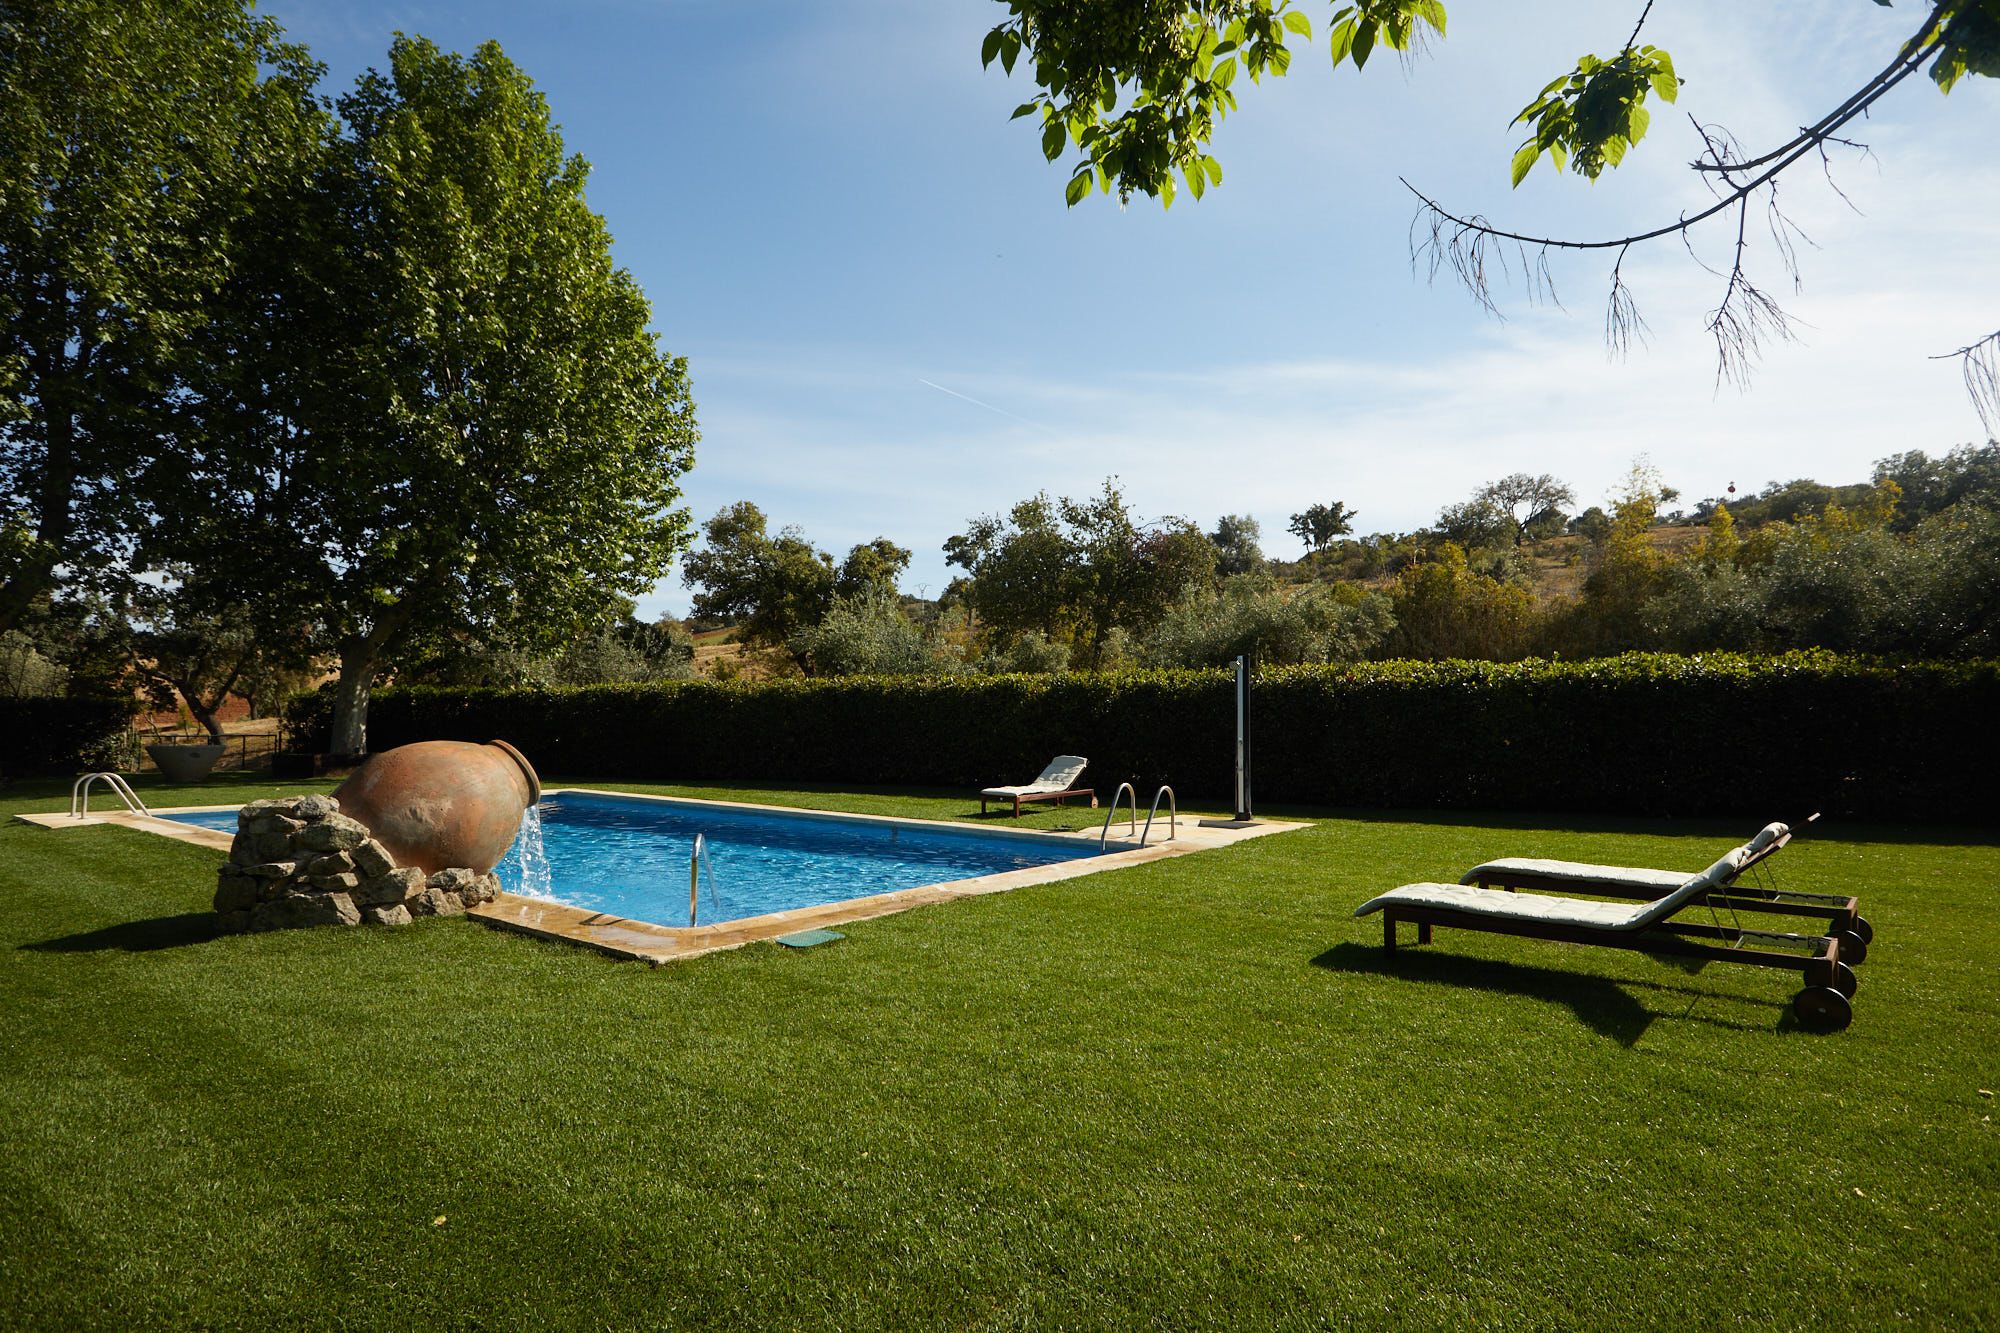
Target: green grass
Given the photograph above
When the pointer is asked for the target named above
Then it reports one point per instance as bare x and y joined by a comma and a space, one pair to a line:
1189, 1094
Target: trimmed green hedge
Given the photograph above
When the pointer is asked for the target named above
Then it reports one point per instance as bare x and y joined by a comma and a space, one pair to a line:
46, 736
1642, 734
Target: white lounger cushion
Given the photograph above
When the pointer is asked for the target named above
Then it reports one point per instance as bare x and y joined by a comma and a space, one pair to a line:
1551, 910
1060, 775
1580, 872
1583, 872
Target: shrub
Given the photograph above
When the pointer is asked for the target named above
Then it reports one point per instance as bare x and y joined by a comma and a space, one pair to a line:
42, 736
1753, 738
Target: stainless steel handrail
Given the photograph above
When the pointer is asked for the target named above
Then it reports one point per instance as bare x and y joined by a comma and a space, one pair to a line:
1132, 825
1173, 814
79, 794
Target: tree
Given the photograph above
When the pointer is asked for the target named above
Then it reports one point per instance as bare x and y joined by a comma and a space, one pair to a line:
1532, 504
130, 132
866, 634
871, 570
1476, 524
1079, 572
1321, 523
774, 586
457, 417
1138, 87
1443, 609
1236, 549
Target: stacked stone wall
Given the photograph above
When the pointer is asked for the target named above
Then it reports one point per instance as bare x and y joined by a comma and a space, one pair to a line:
300, 862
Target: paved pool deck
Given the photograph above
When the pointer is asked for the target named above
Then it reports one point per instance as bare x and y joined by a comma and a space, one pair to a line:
649, 942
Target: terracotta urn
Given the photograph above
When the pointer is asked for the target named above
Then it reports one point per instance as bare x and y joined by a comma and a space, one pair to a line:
437, 804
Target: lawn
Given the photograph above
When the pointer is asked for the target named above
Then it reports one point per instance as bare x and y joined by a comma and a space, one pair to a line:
1188, 1094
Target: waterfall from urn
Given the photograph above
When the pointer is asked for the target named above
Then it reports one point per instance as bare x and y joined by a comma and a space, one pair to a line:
530, 857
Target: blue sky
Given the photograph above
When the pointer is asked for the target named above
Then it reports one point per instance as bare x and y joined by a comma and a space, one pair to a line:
893, 323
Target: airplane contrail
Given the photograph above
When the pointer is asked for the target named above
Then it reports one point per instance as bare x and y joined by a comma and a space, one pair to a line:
976, 403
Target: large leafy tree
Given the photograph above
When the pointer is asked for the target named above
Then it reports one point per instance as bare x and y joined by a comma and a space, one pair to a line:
438, 407
778, 585
1137, 87
132, 133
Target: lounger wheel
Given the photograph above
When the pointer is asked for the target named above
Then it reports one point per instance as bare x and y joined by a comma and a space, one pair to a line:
1864, 930
1822, 1009
1853, 948
1844, 980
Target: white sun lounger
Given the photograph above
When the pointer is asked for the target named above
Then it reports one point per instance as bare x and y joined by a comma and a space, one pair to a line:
1648, 927
1839, 911
1057, 781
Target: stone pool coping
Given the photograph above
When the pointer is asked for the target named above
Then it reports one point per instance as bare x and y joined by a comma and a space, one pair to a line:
646, 941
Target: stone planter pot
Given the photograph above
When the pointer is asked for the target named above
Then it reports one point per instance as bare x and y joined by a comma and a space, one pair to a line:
439, 804
185, 763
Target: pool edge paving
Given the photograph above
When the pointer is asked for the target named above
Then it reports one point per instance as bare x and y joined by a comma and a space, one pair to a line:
646, 941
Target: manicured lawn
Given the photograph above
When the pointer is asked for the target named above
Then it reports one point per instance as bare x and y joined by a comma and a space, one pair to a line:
1189, 1094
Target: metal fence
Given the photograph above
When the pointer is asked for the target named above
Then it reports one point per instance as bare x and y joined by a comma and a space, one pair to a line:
239, 752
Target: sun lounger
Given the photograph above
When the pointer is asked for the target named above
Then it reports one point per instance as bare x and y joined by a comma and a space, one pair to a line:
1057, 781
1648, 927
1842, 914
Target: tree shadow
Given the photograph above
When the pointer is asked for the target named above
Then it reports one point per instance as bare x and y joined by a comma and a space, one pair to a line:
160, 932
1609, 1008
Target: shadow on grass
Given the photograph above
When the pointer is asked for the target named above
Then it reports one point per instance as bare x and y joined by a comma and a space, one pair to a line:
1609, 1008
161, 932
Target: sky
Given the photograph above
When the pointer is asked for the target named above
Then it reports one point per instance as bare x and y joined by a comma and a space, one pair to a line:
893, 323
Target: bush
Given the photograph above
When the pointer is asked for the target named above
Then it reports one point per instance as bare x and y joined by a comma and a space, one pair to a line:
43, 736
1752, 738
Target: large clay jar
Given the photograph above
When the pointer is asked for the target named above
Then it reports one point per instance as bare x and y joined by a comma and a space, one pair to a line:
442, 803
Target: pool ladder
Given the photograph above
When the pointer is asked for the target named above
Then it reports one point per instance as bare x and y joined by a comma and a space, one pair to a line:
696, 860
1132, 815
79, 795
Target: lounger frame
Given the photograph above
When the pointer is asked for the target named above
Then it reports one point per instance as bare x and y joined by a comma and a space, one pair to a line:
1816, 958
1018, 798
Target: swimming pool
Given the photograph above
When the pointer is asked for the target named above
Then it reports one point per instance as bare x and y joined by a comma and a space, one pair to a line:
627, 856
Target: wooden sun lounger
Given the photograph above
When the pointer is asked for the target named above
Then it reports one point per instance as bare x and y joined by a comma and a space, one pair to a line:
1649, 927
1057, 781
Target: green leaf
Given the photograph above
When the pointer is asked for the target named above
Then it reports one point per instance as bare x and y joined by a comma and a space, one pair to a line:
1079, 187
1298, 23
1666, 85
1341, 40
1636, 123
1214, 170
1281, 59
1364, 42
1196, 178
1052, 140
990, 47
1166, 190
1010, 50
1225, 73
1026, 108
1524, 158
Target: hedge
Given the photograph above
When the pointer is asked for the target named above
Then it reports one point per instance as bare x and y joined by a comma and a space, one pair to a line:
59, 735
1755, 737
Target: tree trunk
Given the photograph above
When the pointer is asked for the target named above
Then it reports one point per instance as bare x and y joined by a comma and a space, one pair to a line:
350, 698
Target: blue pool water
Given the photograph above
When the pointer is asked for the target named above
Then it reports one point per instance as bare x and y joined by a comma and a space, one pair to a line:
629, 857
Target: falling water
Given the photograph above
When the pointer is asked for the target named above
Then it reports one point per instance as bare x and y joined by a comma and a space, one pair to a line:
530, 857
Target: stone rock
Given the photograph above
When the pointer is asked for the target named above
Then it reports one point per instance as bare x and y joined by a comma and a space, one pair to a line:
484, 890
232, 923
393, 887
271, 846
436, 902
333, 863
313, 909
453, 879
371, 860
272, 823
391, 914
236, 893
310, 808
256, 810
272, 870
243, 851
344, 882
335, 833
